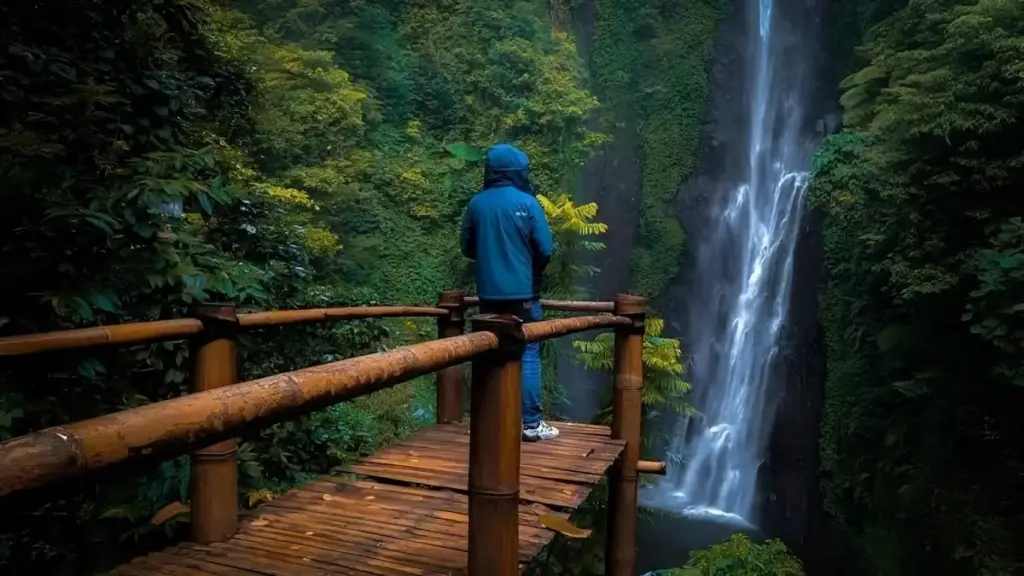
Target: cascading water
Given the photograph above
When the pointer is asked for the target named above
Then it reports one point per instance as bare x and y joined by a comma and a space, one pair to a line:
744, 265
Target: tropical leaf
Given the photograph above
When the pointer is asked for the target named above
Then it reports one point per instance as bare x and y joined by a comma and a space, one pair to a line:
465, 152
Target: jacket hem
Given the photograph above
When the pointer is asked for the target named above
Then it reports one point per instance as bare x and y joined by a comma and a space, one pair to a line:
507, 298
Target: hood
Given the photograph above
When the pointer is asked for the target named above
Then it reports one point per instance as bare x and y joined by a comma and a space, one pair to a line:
507, 165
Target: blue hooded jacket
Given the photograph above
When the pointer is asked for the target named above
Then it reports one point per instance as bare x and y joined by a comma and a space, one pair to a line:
504, 229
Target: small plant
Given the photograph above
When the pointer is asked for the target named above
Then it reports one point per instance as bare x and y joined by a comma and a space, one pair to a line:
664, 387
740, 556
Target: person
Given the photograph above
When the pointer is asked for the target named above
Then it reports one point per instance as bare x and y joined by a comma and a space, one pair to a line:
505, 233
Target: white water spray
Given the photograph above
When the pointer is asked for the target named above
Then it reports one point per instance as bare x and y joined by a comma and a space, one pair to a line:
749, 257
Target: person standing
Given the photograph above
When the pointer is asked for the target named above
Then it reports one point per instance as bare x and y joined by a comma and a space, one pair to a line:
506, 234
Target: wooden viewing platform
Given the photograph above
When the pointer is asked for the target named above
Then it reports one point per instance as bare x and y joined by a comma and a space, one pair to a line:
455, 498
409, 517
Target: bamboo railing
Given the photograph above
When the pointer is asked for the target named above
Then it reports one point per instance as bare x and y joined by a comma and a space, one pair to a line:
218, 409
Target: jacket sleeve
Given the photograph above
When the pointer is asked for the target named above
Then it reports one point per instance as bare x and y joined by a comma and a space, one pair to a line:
540, 237
467, 236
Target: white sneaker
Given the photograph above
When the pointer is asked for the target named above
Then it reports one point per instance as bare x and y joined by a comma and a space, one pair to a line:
542, 431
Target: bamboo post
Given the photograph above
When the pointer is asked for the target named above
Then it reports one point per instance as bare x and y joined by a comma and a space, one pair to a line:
214, 480
620, 556
496, 414
449, 380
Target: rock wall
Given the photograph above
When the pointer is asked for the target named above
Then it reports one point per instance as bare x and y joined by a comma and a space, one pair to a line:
788, 481
613, 178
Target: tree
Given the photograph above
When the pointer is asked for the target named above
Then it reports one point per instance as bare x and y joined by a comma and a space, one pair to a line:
922, 305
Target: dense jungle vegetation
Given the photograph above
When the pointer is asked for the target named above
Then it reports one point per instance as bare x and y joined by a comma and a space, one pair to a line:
285, 154
923, 301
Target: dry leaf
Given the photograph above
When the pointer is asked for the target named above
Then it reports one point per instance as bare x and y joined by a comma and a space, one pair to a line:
258, 523
327, 497
369, 498
309, 533
563, 526
167, 512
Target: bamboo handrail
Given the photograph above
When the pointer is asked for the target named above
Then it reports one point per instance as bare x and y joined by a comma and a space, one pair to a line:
547, 329
163, 330
283, 317
562, 305
99, 336
171, 427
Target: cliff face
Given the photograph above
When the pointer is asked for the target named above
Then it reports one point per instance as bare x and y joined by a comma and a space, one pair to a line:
788, 485
613, 178
788, 480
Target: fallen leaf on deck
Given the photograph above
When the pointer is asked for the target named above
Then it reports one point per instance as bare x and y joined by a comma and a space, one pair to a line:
167, 512
563, 526
327, 497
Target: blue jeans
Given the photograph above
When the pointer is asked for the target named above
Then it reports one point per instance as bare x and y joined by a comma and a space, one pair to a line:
527, 311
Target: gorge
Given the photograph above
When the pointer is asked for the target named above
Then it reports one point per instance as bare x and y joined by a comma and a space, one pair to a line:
748, 253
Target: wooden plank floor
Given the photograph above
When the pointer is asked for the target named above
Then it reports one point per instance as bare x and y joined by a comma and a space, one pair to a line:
409, 516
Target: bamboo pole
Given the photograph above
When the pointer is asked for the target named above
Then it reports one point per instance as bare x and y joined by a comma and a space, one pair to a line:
214, 470
171, 427
140, 332
657, 467
283, 317
174, 426
99, 336
563, 305
449, 380
496, 415
548, 329
620, 557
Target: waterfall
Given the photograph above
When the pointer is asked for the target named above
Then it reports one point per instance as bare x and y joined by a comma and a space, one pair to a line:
743, 275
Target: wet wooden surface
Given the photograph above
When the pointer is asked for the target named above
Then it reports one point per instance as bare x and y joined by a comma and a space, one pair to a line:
408, 516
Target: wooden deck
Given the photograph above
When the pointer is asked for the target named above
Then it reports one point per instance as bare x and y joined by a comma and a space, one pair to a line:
408, 516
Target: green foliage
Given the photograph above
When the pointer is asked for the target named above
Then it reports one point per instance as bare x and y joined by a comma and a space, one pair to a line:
573, 229
740, 556
650, 68
922, 304
160, 153
664, 388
